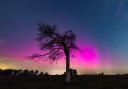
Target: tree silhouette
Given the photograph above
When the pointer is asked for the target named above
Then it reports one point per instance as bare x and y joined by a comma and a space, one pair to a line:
55, 44
73, 72
36, 72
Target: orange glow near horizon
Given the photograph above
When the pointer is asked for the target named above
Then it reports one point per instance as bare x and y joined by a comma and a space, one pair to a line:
5, 66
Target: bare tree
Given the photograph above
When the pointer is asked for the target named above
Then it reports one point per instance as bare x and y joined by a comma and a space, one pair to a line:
55, 44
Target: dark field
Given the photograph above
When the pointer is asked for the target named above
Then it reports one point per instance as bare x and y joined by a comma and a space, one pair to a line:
57, 82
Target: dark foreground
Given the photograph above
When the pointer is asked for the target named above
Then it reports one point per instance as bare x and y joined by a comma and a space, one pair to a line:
57, 82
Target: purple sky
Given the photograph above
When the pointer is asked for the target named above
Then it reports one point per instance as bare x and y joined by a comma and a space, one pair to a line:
101, 28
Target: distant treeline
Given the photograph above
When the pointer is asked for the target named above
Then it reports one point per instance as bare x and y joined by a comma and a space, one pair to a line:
27, 72
21, 72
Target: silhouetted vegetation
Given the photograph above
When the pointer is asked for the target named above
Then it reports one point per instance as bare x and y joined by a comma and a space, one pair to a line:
101, 74
29, 79
56, 44
73, 72
25, 72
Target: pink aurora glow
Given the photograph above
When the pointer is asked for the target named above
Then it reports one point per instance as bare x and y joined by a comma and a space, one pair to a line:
88, 58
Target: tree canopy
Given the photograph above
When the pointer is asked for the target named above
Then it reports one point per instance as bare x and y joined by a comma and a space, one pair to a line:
53, 42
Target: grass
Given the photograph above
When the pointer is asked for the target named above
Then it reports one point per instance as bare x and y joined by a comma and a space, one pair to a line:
57, 82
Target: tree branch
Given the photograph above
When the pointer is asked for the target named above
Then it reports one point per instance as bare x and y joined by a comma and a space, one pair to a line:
49, 53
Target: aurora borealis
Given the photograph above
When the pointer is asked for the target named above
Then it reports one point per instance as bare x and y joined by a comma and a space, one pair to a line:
101, 27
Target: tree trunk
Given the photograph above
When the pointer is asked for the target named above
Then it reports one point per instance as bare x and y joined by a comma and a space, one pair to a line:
67, 54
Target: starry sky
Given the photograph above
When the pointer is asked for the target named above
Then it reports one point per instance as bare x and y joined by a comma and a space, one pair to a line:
101, 27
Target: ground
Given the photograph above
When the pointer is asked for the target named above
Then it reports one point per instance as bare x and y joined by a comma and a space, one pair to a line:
57, 82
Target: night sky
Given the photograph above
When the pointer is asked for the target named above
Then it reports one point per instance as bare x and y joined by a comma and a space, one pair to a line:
101, 27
